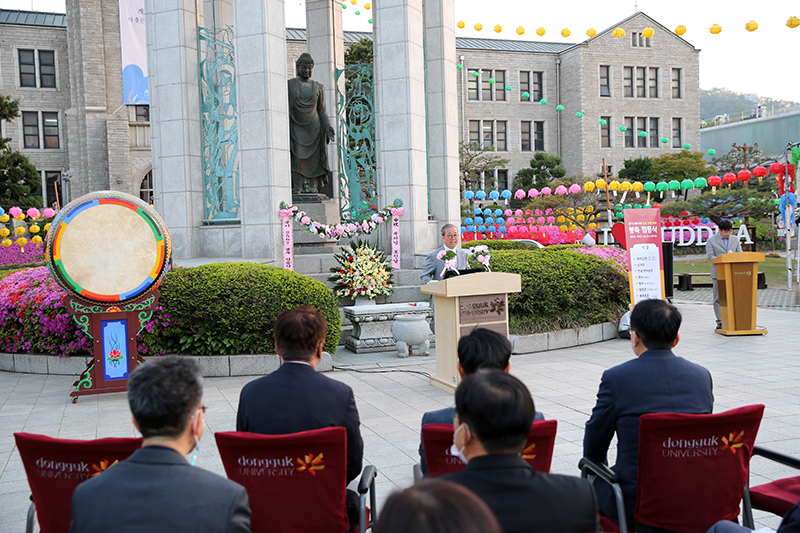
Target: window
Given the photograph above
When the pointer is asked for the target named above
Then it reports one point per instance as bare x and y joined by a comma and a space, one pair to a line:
524, 86
538, 88
47, 69
142, 113
538, 136
653, 82
640, 75
676, 83
502, 179
501, 144
653, 133
500, 85
27, 69
525, 134
676, 133
146, 188
605, 133
474, 131
639, 40
488, 138
486, 86
629, 132
52, 189
472, 84
30, 129
641, 126
627, 84
634, 38
50, 121
605, 85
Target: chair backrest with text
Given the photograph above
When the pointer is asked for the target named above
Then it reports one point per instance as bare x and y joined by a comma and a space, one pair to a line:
295, 482
693, 468
438, 438
55, 467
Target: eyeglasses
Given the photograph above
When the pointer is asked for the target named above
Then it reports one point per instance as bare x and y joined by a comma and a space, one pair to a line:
452, 235
203, 407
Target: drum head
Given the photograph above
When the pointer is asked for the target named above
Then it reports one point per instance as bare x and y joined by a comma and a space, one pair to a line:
108, 247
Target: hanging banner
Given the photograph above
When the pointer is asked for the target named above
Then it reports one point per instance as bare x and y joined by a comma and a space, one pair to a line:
396, 241
135, 90
288, 240
645, 258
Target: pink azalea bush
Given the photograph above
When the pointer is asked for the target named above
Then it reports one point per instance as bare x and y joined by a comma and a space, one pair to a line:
15, 255
616, 257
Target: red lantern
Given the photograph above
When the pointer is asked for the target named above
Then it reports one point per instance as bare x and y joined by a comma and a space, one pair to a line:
744, 175
759, 171
714, 181
729, 178
667, 223
687, 222
695, 220
656, 206
684, 213
776, 168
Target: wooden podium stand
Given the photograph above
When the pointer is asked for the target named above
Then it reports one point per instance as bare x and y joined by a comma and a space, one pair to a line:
461, 304
737, 279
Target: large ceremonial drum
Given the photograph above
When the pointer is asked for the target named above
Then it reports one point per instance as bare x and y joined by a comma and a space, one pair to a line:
108, 247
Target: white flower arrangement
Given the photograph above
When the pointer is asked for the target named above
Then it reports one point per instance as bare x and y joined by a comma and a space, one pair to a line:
362, 272
479, 256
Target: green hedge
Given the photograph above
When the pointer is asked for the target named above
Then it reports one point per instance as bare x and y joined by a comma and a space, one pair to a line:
561, 289
230, 308
501, 244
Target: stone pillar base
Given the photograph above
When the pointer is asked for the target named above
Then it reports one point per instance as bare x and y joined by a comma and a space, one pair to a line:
325, 211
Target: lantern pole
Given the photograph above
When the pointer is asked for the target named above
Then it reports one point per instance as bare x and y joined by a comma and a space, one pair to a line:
786, 212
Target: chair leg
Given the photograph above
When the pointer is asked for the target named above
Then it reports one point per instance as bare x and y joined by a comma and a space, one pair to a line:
31, 518
417, 473
362, 513
747, 508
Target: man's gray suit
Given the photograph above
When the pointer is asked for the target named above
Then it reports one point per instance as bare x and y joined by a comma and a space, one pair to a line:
716, 247
432, 271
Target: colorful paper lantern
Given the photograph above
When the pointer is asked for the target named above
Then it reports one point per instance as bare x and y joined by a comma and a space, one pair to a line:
714, 181
370, 21
506, 194
715, 29
459, 66
776, 168
759, 171
618, 33
491, 81
700, 183
687, 184
526, 95
546, 191
662, 186
565, 32
543, 101
540, 220
358, 12
625, 186
751, 26
561, 190
648, 32
478, 26
687, 146
680, 30
498, 28
793, 22
591, 32
474, 73
603, 122
623, 128
711, 151
642, 134
613, 186
588, 186
498, 212
559, 107
579, 114
508, 87
729, 178
520, 30
637, 186
520, 194
480, 195
574, 188
461, 24
744, 175
551, 220
469, 195
367, 6
540, 32
600, 183
533, 193
674, 185
664, 140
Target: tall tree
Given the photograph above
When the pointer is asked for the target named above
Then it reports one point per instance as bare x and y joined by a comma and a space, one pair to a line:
639, 169
681, 165
543, 170
18, 177
360, 52
475, 159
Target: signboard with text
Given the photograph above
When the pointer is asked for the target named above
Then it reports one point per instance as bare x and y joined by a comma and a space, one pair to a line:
645, 259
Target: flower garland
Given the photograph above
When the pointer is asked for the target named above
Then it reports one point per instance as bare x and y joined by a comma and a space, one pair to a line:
362, 272
342, 230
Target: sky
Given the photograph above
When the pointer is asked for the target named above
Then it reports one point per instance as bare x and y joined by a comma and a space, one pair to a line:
749, 62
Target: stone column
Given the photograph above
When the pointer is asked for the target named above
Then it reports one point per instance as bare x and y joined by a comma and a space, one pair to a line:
172, 65
442, 110
265, 175
326, 46
400, 120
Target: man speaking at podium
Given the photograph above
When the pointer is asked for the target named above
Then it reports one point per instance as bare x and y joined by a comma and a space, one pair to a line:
434, 267
719, 244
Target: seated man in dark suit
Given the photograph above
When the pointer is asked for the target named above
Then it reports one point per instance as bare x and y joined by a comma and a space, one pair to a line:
483, 348
296, 398
156, 488
494, 412
657, 381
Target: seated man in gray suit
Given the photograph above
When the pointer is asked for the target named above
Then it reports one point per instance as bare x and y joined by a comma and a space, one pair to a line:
719, 244
483, 348
156, 488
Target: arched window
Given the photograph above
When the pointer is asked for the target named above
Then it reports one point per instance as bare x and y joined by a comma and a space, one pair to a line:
146, 187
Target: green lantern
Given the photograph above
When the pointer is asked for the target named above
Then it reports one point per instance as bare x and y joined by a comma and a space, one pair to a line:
543, 101
687, 146
460, 66
649, 186
687, 184
642, 134
700, 183
526, 95
623, 127
579, 114
344, 6
662, 186
491, 81
508, 87
674, 185
474, 73
620, 215
711, 151
370, 21
559, 107
358, 12
603, 122
637, 206
664, 140
628, 206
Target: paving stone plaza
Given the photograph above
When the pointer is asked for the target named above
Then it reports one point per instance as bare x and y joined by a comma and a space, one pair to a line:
392, 394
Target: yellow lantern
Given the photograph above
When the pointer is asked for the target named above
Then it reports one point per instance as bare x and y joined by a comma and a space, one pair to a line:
6, 242
565, 32
715, 29
498, 28
573, 227
540, 32
520, 30
618, 33
20, 217
570, 210
589, 208
613, 186
5, 218
580, 218
22, 241
478, 26
638, 186
47, 226
751, 26
354, 2
4, 232
561, 219
36, 239
588, 186
461, 24
600, 183
592, 225
591, 32
625, 186
19, 230
563, 227
793, 22
34, 229
648, 32
367, 6
680, 30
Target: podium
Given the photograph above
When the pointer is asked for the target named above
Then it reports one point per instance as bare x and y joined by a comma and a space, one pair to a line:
461, 304
737, 280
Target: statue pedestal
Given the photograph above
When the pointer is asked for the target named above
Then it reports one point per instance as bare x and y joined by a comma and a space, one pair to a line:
323, 210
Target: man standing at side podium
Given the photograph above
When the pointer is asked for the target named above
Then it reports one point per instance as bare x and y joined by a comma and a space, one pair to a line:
719, 244
434, 267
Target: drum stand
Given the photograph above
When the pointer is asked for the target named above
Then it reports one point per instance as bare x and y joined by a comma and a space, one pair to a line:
113, 328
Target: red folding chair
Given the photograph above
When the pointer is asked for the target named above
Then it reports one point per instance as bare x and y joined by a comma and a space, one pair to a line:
438, 438
55, 467
777, 497
692, 469
296, 482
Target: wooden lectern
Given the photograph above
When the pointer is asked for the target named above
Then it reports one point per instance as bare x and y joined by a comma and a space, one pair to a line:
461, 304
737, 279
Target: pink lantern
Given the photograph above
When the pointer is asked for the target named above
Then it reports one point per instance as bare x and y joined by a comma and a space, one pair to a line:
534, 229
574, 188
528, 212
533, 193
510, 221
531, 220
548, 211
540, 220
507, 212
520, 194
561, 190
546, 191
518, 213
537, 212
523, 230
513, 230
551, 220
